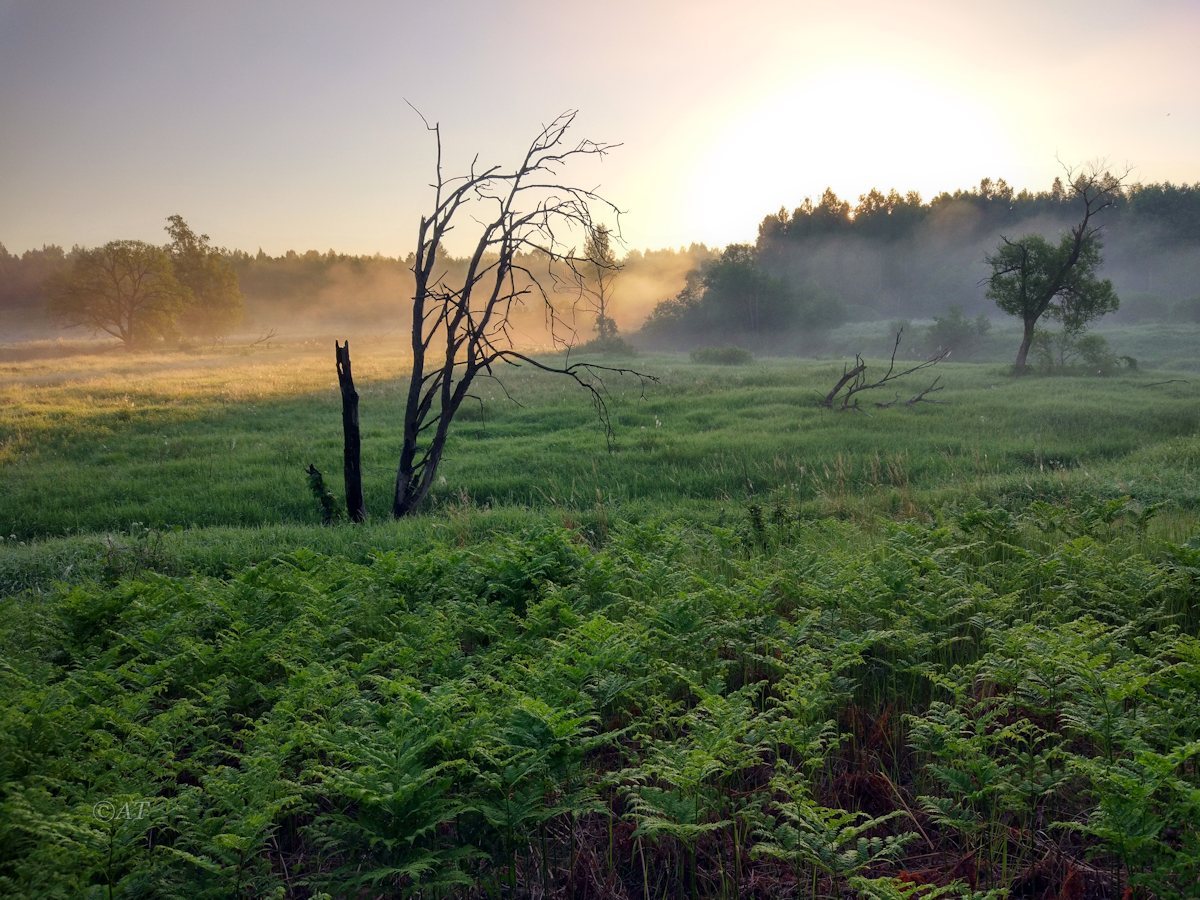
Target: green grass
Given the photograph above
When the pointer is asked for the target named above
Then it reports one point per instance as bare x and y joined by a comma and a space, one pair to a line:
1170, 347
224, 442
755, 648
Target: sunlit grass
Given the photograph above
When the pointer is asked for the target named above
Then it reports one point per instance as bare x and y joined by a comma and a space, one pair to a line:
221, 438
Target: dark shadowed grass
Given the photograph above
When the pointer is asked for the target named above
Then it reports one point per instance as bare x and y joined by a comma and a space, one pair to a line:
805, 707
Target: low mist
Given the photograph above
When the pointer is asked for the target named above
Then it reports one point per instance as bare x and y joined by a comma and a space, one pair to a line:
890, 258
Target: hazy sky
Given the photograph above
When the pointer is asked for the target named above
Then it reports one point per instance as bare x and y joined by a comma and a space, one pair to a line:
283, 124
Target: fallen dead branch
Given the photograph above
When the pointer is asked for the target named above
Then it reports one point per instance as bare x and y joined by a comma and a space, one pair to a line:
854, 381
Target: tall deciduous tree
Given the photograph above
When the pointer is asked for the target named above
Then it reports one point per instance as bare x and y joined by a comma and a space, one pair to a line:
1032, 278
126, 288
460, 325
215, 305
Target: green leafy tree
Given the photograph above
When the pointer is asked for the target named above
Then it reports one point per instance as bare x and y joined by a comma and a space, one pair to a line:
603, 260
1076, 307
740, 294
126, 288
1033, 278
737, 295
676, 315
215, 305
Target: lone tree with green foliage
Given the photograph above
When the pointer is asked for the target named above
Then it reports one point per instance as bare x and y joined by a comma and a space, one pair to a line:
126, 288
460, 326
599, 252
1032, 278
215, 306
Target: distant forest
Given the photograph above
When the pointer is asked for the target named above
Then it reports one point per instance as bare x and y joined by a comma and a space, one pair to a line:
897, 257
890, 256
894, 255
315, 293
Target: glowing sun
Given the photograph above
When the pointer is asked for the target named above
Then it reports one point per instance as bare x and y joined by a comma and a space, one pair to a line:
850, 128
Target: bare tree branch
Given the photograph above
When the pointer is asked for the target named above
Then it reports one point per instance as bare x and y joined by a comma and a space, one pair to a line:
854, 380
526, 217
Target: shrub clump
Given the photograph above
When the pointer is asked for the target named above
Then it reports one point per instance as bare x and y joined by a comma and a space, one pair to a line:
610, 344
1063, 353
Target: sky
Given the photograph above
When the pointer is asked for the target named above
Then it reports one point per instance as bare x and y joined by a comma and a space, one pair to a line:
286, 125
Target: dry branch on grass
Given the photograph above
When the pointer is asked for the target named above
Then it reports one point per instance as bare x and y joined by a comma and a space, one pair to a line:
854, 381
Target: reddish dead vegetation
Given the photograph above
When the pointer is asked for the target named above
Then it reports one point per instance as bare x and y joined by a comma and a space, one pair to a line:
596, 866
598, 856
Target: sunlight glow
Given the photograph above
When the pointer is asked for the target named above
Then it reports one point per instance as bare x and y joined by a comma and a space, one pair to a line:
851, 128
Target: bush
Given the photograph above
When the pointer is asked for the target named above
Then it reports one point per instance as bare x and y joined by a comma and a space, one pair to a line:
609, 344
1064, 353
722, 356
1095, 355
742, 297
956, 333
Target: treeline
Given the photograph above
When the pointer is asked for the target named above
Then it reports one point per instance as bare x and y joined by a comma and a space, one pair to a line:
897, 256
889, 256
320, 292
897, 253
23, 283
333, 289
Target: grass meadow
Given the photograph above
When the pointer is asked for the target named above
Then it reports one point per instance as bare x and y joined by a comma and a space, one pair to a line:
754, 648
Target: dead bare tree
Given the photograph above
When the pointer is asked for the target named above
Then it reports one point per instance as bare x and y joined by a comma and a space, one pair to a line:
356, 508
461, 329
854, 381
263, 340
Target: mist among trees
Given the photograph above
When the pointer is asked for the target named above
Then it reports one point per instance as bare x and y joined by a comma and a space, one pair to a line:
896, 257
890, 256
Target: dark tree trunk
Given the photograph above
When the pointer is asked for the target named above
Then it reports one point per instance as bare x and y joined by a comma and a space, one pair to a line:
1026, 342
406, 497
412, 485
414, 477
352, 444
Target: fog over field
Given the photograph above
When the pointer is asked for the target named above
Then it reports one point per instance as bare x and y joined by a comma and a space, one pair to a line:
916, 271
628, 450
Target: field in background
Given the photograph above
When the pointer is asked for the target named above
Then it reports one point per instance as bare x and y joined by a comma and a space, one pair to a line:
98, 442
755, 648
